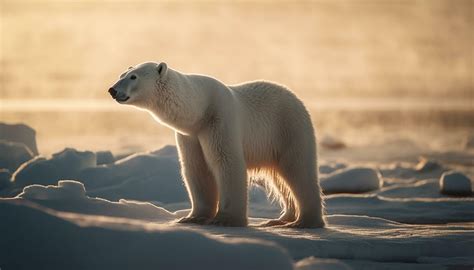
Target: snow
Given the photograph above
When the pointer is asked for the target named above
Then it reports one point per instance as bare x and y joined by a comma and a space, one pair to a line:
71, 196
19, 133
411, 211
361, 227
66, 189
13, 154
348, 238
84, 242
65, 164
104, 157
455, 183
143, 176
120, 213
352, 180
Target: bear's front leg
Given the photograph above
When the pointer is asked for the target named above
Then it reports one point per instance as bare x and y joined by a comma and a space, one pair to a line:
224, 154
200, 183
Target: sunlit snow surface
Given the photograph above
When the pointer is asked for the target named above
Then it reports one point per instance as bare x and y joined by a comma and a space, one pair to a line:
82, 223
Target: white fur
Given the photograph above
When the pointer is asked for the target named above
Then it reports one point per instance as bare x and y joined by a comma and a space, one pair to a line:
223, 132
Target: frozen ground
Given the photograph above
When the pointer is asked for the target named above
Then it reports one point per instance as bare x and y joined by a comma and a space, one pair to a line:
121, 215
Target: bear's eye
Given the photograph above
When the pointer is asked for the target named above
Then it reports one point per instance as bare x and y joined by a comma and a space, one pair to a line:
133, 77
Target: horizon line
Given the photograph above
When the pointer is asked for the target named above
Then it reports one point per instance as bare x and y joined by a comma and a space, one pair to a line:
353, 104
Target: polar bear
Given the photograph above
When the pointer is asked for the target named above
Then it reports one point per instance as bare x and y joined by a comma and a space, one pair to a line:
225, 133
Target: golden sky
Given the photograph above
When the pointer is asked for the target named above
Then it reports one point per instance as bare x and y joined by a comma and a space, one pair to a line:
360, 48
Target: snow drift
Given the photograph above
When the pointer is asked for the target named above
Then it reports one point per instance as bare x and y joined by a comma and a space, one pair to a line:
33, 237
153, 176
62, 165
71, 196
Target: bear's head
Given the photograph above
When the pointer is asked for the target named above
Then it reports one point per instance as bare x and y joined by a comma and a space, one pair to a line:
136, 85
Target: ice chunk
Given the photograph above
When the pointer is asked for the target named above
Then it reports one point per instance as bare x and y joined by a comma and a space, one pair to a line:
13, 154
65, 190
426, 165
352, 180
62, 165
455, 183
19, 133
104, 157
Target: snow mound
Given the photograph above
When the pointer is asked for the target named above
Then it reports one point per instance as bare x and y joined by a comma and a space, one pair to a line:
65, 190
85, 242
312, 263
70, 196
352, 180
13, 154
331, 142
455, 183
62, 165
426, 165
153, 176
70, 156
104, 157
143, 176
19, 133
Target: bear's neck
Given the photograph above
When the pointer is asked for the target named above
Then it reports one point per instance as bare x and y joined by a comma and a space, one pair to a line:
175, 103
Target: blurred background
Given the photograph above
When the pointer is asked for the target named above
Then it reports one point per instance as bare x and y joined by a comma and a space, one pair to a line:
369, 71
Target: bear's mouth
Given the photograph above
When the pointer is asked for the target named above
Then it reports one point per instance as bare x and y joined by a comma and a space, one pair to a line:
123, 99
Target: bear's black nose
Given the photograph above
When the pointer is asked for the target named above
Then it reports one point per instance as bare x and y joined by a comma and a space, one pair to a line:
113, 92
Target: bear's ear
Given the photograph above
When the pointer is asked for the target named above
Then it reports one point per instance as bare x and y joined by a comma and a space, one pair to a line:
162, 68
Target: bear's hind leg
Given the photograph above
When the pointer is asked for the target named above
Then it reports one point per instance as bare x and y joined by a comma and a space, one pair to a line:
199, 181
286, 217
301, 177
289, 211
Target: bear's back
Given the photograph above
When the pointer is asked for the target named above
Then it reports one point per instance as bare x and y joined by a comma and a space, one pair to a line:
271, 116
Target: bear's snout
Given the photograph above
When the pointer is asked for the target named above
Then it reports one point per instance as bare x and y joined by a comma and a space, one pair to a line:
113, 92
